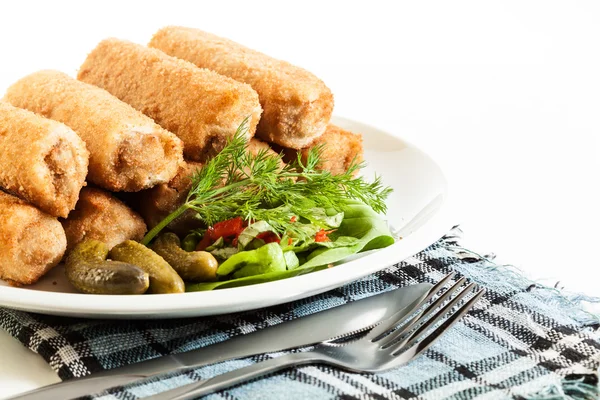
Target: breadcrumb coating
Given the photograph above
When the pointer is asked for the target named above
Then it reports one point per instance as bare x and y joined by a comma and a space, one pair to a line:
128, 151
201, 107
339, 148
41, 161
101, 216
156, 203
297, 105
31, 241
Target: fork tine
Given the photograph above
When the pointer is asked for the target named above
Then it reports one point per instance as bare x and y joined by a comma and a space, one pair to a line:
380, 330
420, 317
423, 345
410, 341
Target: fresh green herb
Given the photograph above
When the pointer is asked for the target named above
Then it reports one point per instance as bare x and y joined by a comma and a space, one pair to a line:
257, 187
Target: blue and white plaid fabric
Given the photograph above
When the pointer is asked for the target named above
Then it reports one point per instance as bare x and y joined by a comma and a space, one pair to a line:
520, 341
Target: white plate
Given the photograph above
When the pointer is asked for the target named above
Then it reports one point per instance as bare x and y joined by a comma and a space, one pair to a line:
416, 214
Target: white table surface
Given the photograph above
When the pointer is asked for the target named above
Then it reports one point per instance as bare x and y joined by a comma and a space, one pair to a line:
504, 95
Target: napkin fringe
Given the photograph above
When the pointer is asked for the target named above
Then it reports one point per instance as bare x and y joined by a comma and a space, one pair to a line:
582, 387
551, 295
568, 390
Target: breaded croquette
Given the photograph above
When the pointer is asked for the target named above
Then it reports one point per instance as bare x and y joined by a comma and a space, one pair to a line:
297, 105
255, 146
156, 203
339, 148
41, 161
31, 241
101, 216
201, 107
128, 151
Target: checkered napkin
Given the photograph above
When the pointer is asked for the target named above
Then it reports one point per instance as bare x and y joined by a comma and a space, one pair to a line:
521, 341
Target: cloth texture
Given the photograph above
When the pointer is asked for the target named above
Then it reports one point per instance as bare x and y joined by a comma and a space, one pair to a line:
521, 340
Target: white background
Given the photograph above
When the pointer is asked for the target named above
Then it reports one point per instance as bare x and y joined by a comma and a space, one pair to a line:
504, 95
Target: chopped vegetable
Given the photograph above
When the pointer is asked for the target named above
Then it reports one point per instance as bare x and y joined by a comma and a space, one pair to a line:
224, 253
252, 232
227, 229
321, 236
291, 260
268, 237
362, 229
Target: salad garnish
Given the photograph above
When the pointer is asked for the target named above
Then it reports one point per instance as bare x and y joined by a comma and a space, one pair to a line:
237, 183
265, 220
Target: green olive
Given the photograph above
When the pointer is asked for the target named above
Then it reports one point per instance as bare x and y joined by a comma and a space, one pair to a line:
195, 266
88, 270
163, 278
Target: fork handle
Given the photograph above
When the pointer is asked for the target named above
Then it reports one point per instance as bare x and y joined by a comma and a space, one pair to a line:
201, 388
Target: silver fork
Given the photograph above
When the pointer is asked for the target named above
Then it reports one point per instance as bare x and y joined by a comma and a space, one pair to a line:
380, 349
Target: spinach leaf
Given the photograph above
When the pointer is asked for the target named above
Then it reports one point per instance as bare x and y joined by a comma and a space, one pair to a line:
324, 218
249, 280
268, 258
360, 222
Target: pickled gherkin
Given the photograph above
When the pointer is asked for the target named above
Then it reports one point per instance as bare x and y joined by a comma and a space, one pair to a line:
163, 278
190, 242
195, 266
88, 270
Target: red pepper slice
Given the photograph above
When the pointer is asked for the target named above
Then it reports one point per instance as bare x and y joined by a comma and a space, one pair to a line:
268, 237
321, 236
293, 219
230, 227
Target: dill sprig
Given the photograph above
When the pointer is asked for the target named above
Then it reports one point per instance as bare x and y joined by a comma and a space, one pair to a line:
257, 187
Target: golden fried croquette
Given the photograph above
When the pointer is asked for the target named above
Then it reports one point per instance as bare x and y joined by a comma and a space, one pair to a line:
202, 107
41, 161
297, 105
156, 203
31, 241
128, 151
101, 216
339, 148
255, 146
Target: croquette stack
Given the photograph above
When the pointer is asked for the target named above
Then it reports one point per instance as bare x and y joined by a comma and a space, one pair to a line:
140, 120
